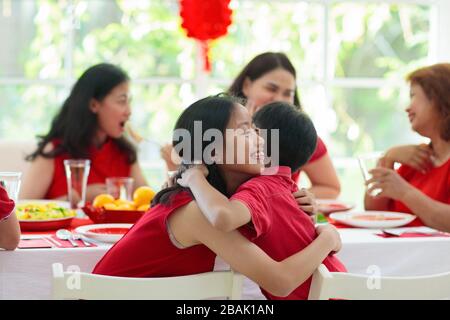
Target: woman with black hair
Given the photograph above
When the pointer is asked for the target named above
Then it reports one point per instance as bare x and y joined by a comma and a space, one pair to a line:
271, 77
90, 125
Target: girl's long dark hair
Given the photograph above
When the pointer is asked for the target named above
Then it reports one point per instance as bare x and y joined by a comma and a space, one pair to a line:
75, 124
259, 66
214, 113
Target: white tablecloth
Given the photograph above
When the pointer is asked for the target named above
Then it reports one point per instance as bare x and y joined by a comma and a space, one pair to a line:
26, 273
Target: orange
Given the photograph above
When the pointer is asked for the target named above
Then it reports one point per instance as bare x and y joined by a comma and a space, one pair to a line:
110, 206
126, 207
102, 199
144, 207
143, 195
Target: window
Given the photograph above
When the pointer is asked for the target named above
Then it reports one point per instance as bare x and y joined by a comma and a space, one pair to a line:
351, 57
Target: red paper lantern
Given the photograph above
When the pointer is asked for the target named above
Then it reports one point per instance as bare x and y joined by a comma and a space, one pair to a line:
205, 20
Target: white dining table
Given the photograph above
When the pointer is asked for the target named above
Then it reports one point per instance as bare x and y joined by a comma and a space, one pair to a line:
27, 273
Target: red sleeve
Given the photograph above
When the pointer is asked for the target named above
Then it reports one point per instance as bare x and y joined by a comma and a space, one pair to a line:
448, 186
6, 204
320, 151
296, 175
255, 200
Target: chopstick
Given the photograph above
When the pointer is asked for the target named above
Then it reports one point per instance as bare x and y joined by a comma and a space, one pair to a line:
53, 241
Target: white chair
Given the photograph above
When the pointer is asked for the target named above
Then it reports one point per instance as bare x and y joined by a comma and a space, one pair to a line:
79, 285
329, 285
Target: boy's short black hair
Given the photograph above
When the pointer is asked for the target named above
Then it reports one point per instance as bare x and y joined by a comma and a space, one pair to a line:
297, 135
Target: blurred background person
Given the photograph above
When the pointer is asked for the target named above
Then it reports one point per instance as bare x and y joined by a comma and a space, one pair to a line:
90, 125
422, 184
267, 78
271, 77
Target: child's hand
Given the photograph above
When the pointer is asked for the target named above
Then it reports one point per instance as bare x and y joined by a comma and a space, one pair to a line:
330, 231
190, 174
170, 182
306, 201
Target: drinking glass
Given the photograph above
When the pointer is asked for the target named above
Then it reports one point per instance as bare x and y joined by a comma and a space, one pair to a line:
10, 181
368, 162
120, 187
77, 172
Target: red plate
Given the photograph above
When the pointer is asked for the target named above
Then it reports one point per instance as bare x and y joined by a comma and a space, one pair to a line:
42, 225
100, 215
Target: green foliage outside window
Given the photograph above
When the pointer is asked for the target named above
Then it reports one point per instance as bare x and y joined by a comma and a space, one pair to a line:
375, 41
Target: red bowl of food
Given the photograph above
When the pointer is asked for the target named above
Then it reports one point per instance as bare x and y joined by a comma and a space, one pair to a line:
43, 225
100, 215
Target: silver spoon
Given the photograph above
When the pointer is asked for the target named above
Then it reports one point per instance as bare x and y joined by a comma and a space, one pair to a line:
80, 237
65, 234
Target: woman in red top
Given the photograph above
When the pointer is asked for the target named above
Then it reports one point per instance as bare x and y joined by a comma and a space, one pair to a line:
174, 238
271, 77
422, 184
90, 125
9, 226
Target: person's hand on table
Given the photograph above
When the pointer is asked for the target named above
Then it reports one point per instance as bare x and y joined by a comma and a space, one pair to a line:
389, 182
418, 157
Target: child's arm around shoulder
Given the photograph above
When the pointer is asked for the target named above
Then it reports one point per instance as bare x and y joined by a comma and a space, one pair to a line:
224, 214
279, 278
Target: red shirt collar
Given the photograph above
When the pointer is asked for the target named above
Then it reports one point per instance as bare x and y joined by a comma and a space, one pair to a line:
279, 171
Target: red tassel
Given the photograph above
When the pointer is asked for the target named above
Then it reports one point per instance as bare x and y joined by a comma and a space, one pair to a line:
205, 20
205, 55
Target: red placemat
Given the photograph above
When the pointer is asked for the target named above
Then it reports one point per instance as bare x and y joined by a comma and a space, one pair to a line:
66, 244
34, 244
414, 235
76, 222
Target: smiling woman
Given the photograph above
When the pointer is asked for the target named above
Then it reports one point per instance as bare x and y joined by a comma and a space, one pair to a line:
89, 125
421, 185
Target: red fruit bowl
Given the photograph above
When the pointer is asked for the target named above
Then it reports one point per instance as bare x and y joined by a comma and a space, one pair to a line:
100, 215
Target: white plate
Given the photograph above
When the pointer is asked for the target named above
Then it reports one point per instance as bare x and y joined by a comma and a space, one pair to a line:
375, 219
327, 206
103, 237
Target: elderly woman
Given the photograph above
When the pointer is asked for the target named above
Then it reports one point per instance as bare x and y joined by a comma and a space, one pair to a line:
422, 184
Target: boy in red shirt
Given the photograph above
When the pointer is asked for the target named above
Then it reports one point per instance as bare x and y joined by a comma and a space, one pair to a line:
264, 207
174, 238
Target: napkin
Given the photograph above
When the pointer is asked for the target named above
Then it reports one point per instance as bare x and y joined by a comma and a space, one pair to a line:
6, 204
